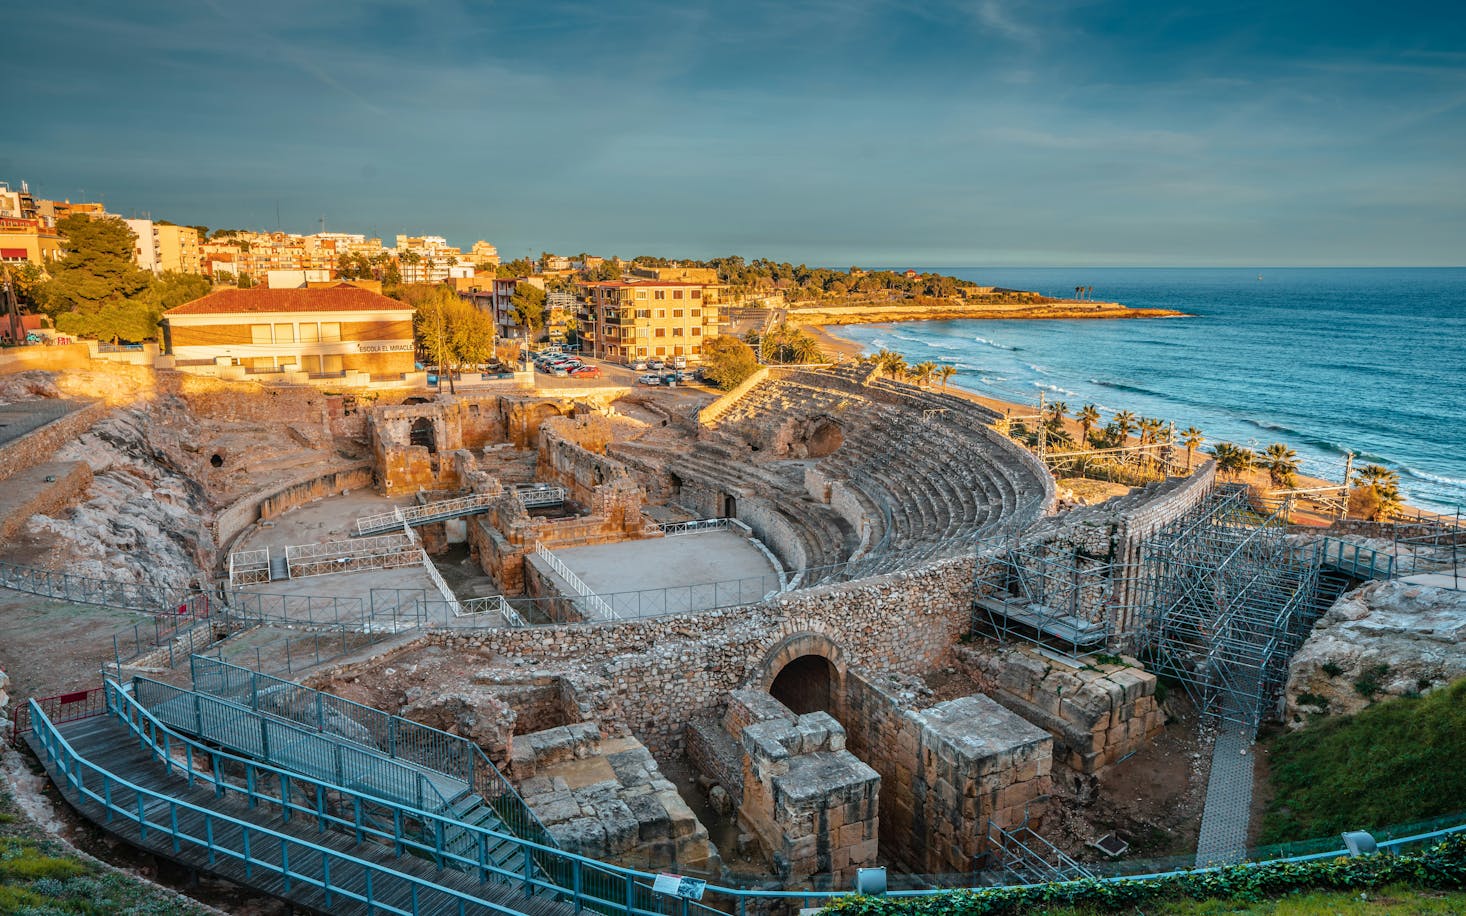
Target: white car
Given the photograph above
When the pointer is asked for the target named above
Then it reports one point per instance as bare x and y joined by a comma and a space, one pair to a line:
650, 380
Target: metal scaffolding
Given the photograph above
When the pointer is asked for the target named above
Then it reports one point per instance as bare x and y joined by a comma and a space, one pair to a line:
1223, 602
1049, 593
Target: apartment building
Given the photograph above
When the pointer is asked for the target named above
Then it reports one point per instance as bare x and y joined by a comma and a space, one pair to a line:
626, 320
23, 240
324, 331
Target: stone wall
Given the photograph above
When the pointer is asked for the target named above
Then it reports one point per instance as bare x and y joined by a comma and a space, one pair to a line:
709, 415
946, 771
1097, 714
230, 522
812, 804
51, 359
40, 444
662, 672
39, 497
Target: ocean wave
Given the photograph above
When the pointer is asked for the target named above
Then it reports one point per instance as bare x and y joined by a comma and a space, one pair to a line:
1033, 367
996, 345
1055, 389
1133, 389
938, 345
1454, 482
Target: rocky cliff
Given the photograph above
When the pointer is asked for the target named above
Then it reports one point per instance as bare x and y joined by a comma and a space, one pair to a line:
1385, 639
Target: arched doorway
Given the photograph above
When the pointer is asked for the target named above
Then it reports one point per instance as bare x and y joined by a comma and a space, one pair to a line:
806, 684
422, 434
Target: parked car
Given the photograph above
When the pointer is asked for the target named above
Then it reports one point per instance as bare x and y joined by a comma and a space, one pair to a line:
657, 365
559, 371
650, 380
639, 366
586, 372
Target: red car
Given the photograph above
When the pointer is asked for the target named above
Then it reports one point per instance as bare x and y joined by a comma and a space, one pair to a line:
586, 372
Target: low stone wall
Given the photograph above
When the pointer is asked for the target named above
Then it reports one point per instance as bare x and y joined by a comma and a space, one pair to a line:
1097, 714
39, 497
40, 444
265, 505
712, 413
662, 672
946, 771
51, 359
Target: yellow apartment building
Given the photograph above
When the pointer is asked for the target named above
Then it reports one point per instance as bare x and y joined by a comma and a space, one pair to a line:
323, 331
649, 319
27, 240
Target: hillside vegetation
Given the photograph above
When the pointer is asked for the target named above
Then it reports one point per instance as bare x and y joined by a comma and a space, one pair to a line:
1396, 762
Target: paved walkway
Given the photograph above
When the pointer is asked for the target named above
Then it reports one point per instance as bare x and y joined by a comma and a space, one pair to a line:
1228, 810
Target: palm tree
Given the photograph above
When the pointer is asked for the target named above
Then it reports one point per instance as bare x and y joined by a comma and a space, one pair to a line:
805, 349
945, 373
922, 372
1123, 421
1058, 410
1282, 465
1233, 460
1192, 438
896, 366
1088, 417
1385, 485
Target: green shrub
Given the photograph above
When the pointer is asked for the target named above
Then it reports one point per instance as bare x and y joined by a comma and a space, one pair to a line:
1313, 699
1369, 682
22, 861
1397, 761
1441, 867
1331, 669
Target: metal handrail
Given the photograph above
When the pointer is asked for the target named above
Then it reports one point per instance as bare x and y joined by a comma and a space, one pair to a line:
571, 869
427, 512
74, 768
583, 591
399, 738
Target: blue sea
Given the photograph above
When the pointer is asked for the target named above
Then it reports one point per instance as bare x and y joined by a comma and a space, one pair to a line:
1327, 360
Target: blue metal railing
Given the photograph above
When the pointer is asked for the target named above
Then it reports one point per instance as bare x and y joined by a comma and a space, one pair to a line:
404, 828
585, 882
158, 813
299, 750
1357, 560
394, 736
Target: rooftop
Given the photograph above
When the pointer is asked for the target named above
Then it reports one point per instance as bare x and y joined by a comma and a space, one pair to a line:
340, 298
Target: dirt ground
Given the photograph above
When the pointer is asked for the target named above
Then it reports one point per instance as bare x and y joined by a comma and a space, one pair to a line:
49, 647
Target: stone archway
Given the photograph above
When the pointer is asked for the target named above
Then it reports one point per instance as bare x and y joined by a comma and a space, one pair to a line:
806, 672
422, 433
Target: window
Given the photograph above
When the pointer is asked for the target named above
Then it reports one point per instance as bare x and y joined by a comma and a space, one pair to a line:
641, 294
676, 332
677, 351
661, 294
260, 334
697, 294
697, 313
661, 332
311, 364
697, 332
642, 332
696, 350
310, 332
643, 313
677, 313
661, 313
331, 362
284, 333
330, 332
661, 351
641, 351
676, 294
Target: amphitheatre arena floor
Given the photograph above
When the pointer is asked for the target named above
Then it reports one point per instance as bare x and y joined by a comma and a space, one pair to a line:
672, 563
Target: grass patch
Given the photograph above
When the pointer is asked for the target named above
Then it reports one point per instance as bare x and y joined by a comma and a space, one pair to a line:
41, 877
1398, 900
1396, 762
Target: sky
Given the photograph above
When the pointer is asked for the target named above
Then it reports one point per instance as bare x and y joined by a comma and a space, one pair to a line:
832, 132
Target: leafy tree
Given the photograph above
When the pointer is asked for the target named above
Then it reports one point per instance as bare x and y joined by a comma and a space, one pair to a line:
1088, 417
1376, 493
528, 302
97, 267
1233, 460
1191, 437
1124, 422
519, 267
451, 332
1282, 465
727, 361
25, 279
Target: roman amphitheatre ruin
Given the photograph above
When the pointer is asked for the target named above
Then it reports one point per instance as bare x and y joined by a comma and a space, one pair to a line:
535, 646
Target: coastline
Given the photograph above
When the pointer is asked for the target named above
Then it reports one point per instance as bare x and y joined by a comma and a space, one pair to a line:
843, 348
1047, 310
